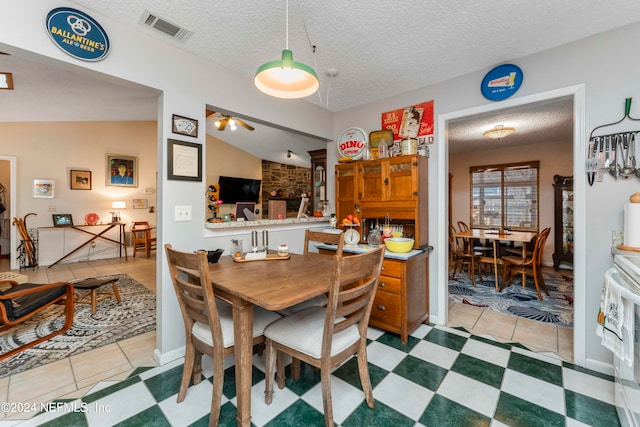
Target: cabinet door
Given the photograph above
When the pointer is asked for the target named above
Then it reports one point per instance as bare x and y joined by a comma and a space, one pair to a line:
372, 185
402, 180
346, 190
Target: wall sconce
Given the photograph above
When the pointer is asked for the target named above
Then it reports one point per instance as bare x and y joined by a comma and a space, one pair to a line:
115, 215
289, 154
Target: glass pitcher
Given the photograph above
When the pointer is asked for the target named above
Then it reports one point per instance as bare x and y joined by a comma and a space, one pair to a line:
236, 248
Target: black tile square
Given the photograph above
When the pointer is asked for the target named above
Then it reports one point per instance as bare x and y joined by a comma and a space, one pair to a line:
590, 411
513, 411
442, 412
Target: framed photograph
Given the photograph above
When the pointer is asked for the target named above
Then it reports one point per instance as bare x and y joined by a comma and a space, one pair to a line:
240, 211
304, 203
140, 203
62, 220
184, 126
122, 171
185, 161
80, 180
43, 189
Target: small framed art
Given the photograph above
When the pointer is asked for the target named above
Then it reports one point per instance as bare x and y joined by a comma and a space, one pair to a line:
140, 203
122, 171
80, 180
62, 220
184, 126
184, 161
43, 189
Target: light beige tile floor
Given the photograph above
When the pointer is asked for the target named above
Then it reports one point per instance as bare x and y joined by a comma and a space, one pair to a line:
74, 376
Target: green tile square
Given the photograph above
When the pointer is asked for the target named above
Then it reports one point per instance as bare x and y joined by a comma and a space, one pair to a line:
227, 417
298, 414
380, 416
590, 411
152, 416
348, 372
165, 384
309, 377
69, 419
139, 370
480, 370
443, 412
588, 371
446, 339
393, 340
513, 411
492, 342
421, 372
536, 368
111, 389
229, 386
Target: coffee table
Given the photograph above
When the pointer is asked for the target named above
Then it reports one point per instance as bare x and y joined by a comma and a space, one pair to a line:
93, 284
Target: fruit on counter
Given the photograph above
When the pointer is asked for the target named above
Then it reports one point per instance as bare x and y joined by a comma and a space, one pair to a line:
350, 220
317, 214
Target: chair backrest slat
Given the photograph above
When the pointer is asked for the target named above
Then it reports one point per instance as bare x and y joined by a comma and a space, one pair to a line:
322, 237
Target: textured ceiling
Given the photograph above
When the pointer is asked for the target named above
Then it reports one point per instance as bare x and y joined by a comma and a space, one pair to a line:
380, 49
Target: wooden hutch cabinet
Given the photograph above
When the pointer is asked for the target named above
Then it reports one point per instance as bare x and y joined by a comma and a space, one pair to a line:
563, 220
396, 188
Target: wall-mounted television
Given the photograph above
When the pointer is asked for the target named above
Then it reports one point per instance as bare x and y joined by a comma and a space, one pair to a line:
234, 190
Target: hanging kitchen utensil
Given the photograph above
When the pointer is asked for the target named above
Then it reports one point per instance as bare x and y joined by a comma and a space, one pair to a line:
622, 141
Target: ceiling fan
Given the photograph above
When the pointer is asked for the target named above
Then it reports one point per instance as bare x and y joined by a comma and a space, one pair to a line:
222, 120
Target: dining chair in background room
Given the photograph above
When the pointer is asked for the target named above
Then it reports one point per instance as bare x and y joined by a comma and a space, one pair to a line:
485, 248
143, 241
208, 322
461, 255
325, 337
531, 266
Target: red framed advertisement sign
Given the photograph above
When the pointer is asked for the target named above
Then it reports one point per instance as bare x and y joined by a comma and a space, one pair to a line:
415, 121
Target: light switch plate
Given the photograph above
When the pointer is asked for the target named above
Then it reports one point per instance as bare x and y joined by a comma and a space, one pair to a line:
182, 213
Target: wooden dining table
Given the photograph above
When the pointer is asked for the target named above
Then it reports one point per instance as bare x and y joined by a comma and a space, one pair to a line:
270, 284
495, 236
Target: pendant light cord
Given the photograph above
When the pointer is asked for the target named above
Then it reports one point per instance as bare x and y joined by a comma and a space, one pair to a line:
286, 24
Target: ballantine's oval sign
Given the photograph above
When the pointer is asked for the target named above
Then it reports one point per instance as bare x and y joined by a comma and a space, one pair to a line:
77, 34
352, 143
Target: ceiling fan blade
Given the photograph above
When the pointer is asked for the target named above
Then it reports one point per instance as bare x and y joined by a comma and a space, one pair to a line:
210, 113
244, 125
223, 123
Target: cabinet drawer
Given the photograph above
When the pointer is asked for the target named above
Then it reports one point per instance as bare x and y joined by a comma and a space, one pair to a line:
392, 268
390, 284
386, 309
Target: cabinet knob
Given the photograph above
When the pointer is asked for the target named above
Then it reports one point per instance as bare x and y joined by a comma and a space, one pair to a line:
381, 284
415, 193
381, 307
386, 181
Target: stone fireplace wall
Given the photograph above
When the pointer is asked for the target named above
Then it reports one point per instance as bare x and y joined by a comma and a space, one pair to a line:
286, 179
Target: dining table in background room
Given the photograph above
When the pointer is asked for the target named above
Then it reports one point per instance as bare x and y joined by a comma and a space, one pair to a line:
273, 285
496, 236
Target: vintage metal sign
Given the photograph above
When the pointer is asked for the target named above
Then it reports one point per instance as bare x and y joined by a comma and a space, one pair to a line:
77, 34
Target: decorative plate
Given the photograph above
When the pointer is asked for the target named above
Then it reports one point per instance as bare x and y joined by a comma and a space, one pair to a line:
91, 218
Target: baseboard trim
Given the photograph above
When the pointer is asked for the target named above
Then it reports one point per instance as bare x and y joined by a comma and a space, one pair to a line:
164, 358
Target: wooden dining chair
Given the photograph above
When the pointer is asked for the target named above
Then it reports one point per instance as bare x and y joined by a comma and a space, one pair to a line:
461, 255
143, 241
527, 266
208, 322
325, 337
23, 301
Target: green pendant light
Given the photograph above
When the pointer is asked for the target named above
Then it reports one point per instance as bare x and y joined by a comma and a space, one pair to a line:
286, 78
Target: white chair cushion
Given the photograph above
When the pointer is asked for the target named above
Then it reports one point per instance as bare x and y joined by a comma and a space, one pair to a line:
303, 331
319, 301
261, 318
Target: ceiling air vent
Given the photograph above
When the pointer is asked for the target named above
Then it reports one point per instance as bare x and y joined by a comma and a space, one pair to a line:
170, 29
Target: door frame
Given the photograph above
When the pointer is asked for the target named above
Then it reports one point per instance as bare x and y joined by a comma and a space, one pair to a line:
579, 154
12, 208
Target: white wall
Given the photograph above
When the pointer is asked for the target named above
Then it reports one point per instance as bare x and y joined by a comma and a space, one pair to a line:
584, 62
187, 85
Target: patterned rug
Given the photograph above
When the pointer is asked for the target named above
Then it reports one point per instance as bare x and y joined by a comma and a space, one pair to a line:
111, 323
556, 308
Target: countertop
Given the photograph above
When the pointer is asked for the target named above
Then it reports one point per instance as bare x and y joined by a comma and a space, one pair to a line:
364, 248
262, 222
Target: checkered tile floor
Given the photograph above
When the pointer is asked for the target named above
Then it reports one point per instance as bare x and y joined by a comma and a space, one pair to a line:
442, 377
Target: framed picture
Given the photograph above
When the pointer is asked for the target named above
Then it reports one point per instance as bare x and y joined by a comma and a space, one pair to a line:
240, 213
184, 126
185, 161
43, 188
62, 220
80, 180
122, 171
140, 203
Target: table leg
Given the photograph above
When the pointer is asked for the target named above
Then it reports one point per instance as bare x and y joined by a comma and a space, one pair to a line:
495, 262
524, 257
243, 334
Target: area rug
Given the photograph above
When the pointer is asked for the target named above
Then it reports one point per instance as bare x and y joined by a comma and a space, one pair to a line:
556, 309
135, 315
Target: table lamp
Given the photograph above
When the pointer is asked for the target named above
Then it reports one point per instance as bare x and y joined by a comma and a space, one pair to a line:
115, 215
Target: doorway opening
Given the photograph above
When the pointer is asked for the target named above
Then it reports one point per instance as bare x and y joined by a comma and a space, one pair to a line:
444, 120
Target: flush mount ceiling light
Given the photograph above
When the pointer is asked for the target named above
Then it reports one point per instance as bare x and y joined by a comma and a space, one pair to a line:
498, 132
286, 78
6, 81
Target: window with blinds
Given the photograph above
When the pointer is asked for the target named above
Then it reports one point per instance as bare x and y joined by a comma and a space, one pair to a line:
505, 196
